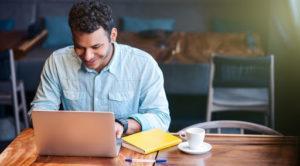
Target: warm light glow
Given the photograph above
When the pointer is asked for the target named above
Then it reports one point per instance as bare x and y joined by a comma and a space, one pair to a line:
295, 4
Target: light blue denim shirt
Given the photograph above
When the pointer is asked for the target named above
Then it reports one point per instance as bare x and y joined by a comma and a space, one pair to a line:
131, 85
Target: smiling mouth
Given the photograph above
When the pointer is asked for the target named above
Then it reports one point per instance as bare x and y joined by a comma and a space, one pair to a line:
91, 62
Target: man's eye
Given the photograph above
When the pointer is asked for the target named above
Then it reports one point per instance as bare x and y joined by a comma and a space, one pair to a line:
95, 47
78, 50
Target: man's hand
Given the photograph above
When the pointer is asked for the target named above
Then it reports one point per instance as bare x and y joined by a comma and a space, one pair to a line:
133, 127
118, 129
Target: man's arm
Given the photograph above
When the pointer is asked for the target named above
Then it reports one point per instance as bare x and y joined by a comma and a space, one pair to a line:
153, 104
133, 127
48, 93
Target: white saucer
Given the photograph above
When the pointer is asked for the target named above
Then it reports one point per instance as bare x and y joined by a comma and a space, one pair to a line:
184, 146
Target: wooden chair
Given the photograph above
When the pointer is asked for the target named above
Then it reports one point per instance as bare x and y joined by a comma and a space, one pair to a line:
12, 90
242, 84
231, 124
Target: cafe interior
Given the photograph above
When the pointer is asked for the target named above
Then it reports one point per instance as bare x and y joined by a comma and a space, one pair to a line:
222, 60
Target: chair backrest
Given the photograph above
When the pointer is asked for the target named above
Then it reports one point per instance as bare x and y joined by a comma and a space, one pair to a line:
243, 72
231, 124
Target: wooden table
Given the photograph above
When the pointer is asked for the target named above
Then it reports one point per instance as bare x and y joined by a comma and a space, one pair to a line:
11, 39
239, 150
17, 41
227, 150
22, 151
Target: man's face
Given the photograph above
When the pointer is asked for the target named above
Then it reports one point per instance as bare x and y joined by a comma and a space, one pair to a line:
94, 49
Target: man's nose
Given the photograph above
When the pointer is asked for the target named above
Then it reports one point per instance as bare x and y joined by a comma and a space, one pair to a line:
88, 55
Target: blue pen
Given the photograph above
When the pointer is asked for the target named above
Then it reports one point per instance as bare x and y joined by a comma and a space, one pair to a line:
146, 160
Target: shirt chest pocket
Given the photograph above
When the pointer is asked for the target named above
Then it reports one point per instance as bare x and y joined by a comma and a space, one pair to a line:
120, 96
121, 103
71, 95
73, 100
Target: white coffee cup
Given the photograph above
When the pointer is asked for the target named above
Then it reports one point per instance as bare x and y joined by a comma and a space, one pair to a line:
194, 136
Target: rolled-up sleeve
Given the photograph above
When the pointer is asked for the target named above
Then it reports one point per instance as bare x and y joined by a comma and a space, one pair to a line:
153, 103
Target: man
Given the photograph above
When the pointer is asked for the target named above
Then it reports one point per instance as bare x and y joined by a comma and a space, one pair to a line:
98, 74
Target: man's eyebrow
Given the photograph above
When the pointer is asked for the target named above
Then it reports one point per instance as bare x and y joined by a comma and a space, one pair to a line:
97, 45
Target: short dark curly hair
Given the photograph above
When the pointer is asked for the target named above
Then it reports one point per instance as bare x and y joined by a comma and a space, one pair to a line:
89, 15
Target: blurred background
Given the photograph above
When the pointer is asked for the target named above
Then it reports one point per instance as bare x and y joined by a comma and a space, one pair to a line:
182, 35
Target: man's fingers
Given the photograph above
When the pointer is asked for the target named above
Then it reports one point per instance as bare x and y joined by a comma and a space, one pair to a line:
119, 134
119, 130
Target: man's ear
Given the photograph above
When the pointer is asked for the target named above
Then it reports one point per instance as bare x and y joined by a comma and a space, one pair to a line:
113, 34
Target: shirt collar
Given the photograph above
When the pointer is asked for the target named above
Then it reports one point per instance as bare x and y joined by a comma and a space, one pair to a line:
114, 62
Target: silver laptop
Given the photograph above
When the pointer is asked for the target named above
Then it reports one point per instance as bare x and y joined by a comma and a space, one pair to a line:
75, 133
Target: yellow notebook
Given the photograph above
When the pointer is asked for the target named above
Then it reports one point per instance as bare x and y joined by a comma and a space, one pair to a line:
150, 141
